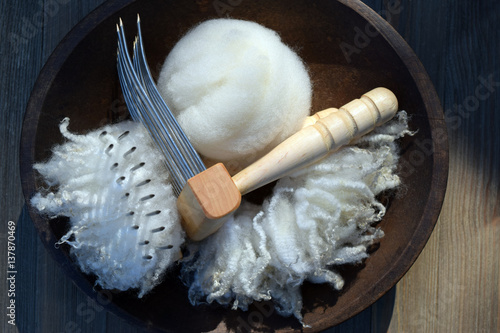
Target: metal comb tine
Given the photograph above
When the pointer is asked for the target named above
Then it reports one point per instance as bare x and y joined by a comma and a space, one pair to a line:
151, 117
139, 105
140, 94
164, 113
167, 121
161, 123
133, 103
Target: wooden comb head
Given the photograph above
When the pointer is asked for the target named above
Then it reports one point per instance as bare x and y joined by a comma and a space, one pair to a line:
206, 199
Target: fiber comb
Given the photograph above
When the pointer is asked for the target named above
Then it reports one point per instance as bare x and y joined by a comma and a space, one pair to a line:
207, 197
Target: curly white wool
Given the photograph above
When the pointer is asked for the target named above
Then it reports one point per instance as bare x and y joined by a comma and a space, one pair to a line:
124, 225
318, 217
236, 89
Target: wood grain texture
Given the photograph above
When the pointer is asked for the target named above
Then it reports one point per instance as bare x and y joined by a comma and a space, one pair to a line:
454, 287
454, 284
205, 205
325, 136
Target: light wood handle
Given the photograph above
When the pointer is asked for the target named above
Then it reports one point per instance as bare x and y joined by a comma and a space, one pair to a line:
311, 120
209, 197
332, 129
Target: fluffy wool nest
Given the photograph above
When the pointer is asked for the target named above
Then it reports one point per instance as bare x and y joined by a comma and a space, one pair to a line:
124, 227
315, 219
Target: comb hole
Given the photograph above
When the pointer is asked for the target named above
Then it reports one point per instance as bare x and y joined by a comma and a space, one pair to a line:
109, 148
147, 181
124, 134
158, 229
140, 165
130, 151
147, 197
156, 212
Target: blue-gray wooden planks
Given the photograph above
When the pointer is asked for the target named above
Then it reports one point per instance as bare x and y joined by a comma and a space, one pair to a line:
458, 43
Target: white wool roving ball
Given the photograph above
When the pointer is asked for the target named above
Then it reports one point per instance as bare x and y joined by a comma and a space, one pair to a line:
236, 89
124, 224
316, 218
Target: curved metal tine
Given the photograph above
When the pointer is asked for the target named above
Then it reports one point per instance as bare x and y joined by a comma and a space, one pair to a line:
191, 157
164, 113
163, 135
150, 115
165, 125
134, 104
139, 104
131, 102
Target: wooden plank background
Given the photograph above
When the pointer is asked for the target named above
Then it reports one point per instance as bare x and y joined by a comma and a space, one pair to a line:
453, 286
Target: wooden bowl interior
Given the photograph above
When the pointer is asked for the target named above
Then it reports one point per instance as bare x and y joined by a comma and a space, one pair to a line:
80, 82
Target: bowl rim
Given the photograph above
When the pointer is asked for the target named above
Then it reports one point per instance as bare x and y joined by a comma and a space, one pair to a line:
395, 271
440, 149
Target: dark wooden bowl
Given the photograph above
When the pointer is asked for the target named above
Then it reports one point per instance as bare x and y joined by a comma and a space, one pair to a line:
80, 81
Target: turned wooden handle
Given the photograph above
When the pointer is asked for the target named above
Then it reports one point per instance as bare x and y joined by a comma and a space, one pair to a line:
332, 129
209, 197
311, 120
